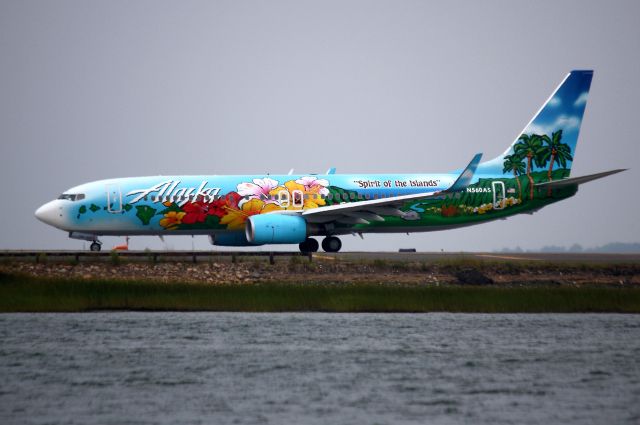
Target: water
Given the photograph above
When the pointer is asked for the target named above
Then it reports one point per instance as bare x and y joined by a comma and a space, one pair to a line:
193, 368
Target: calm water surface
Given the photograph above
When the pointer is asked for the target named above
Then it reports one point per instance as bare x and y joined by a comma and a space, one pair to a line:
217, 368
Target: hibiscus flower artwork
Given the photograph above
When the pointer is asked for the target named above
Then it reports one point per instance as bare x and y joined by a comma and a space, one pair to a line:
236, 218
196, 212
313, 184
172, 220
260, 196
220, 207
259, 189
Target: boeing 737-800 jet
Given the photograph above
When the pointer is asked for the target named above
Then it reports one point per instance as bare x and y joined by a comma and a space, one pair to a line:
254, 210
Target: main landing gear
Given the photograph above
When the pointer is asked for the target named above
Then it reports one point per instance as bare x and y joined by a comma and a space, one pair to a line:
95, 246
329, 244
308, 245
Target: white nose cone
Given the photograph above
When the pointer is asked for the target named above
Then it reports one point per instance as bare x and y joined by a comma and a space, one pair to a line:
50, 213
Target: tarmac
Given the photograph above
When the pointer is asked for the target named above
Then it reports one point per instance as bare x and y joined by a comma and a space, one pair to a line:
196, 256
488, 256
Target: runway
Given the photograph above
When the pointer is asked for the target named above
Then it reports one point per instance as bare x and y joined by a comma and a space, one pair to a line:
488, 256
197, 256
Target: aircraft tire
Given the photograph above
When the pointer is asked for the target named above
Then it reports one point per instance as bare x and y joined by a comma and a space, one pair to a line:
309, 245
331, 244
95, 247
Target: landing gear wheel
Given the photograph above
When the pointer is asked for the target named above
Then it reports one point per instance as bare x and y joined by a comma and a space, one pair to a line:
309, 245
331, 244
95, 247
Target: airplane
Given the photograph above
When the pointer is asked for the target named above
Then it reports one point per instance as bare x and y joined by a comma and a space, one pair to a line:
254, 210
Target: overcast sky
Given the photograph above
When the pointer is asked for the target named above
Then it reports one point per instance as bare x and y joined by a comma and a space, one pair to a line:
92, 90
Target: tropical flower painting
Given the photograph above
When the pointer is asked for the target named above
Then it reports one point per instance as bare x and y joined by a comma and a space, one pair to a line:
259, 196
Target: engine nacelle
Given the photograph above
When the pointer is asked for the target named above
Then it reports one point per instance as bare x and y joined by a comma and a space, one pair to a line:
230, 239
275, 228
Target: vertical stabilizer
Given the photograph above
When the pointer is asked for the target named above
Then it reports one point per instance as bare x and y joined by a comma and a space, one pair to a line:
549, 140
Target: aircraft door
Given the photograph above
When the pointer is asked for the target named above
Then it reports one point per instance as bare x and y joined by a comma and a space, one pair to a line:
114, 198
284, 198
498, 194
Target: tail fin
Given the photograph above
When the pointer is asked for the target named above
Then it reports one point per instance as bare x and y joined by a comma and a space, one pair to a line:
551, 135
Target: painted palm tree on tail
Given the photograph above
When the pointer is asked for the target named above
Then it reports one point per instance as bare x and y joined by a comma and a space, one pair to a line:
530, 147
555, 152
513, 163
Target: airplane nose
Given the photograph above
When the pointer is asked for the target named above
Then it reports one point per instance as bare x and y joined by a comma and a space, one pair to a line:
50, 213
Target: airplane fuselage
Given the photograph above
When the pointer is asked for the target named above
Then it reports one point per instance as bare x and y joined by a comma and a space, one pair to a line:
246, 210
217, 204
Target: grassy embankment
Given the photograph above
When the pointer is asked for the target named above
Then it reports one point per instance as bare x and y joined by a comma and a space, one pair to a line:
21, 293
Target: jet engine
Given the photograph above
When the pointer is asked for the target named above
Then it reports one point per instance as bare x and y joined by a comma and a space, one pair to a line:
230, 239
275, 228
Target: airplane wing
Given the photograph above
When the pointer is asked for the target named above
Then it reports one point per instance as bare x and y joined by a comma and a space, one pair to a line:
575, 181
363, 212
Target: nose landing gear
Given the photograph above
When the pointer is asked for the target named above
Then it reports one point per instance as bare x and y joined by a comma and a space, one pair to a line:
95, 246
331, 244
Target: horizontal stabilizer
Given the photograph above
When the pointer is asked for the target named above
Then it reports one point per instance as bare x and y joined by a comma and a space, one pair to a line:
574, 181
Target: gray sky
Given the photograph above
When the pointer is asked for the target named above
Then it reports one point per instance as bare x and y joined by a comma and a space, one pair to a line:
91, 90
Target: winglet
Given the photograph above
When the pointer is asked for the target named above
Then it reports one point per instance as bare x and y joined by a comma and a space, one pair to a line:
465, 177
331, 170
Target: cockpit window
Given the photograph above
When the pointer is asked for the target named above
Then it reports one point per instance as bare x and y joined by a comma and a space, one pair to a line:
72, 196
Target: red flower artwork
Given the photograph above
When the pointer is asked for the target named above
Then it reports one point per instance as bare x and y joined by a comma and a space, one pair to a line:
220, 206
196, 212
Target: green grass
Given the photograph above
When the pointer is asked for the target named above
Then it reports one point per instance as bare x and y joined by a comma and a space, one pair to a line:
18, 293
